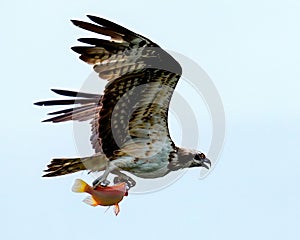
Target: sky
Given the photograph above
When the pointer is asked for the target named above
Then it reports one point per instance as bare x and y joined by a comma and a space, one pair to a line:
251, 52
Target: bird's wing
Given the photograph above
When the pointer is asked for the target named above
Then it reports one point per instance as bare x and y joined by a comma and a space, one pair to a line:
124, 51
140, 74
86, 106
134, 114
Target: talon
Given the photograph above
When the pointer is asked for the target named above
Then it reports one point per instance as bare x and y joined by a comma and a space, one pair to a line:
100, 182
129, 181
96, 183
117, 180
105, 183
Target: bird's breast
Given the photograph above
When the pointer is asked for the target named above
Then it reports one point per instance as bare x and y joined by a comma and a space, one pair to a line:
153, 167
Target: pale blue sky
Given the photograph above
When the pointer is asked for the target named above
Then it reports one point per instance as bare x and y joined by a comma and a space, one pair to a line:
251, 51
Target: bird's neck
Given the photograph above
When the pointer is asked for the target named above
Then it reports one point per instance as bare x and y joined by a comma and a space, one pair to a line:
182, 159
185, 155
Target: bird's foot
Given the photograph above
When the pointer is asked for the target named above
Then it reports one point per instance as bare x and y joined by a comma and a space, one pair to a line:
124, 178
101, 181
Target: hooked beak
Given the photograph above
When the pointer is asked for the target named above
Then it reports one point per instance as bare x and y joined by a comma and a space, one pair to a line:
206, 163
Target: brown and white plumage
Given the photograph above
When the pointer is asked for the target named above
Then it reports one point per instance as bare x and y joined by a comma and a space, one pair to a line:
130, 120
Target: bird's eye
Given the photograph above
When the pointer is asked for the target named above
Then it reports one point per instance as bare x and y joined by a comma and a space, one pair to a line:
200, 156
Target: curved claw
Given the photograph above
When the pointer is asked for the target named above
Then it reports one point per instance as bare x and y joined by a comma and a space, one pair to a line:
100, 181
128, 180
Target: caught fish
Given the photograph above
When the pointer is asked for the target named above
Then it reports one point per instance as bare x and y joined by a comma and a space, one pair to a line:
104, 196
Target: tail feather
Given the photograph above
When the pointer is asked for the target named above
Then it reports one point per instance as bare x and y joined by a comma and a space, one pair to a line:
62, 166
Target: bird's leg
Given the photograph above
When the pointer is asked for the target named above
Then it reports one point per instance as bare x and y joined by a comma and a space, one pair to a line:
121, 177
102, 180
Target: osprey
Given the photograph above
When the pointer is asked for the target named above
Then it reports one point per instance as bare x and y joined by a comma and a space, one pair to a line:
129, 121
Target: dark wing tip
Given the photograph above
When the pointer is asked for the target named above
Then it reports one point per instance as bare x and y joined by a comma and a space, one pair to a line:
110, 25
54, 90
51, 174
67, 93
76, 22
39, 103
77, 49
92, 17
57, 91
83, 40
98, 20
92, 41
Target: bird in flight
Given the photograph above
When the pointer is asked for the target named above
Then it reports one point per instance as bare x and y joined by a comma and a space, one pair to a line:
129, 120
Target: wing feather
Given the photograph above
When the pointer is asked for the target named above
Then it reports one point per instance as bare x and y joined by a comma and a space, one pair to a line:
133, 112
125, 51
88, 109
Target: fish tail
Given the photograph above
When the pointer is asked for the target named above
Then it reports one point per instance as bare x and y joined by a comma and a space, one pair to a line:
80, 186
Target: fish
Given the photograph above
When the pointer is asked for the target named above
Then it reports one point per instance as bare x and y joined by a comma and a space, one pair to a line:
103, 196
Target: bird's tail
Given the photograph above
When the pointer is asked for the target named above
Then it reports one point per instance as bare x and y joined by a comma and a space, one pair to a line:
62, 166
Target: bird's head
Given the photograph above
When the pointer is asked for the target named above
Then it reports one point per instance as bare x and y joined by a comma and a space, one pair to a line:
187, 158
200, 160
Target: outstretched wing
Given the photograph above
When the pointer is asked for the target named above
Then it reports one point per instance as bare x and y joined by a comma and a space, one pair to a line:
124, 52
142, 77
86, 106
133, 112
